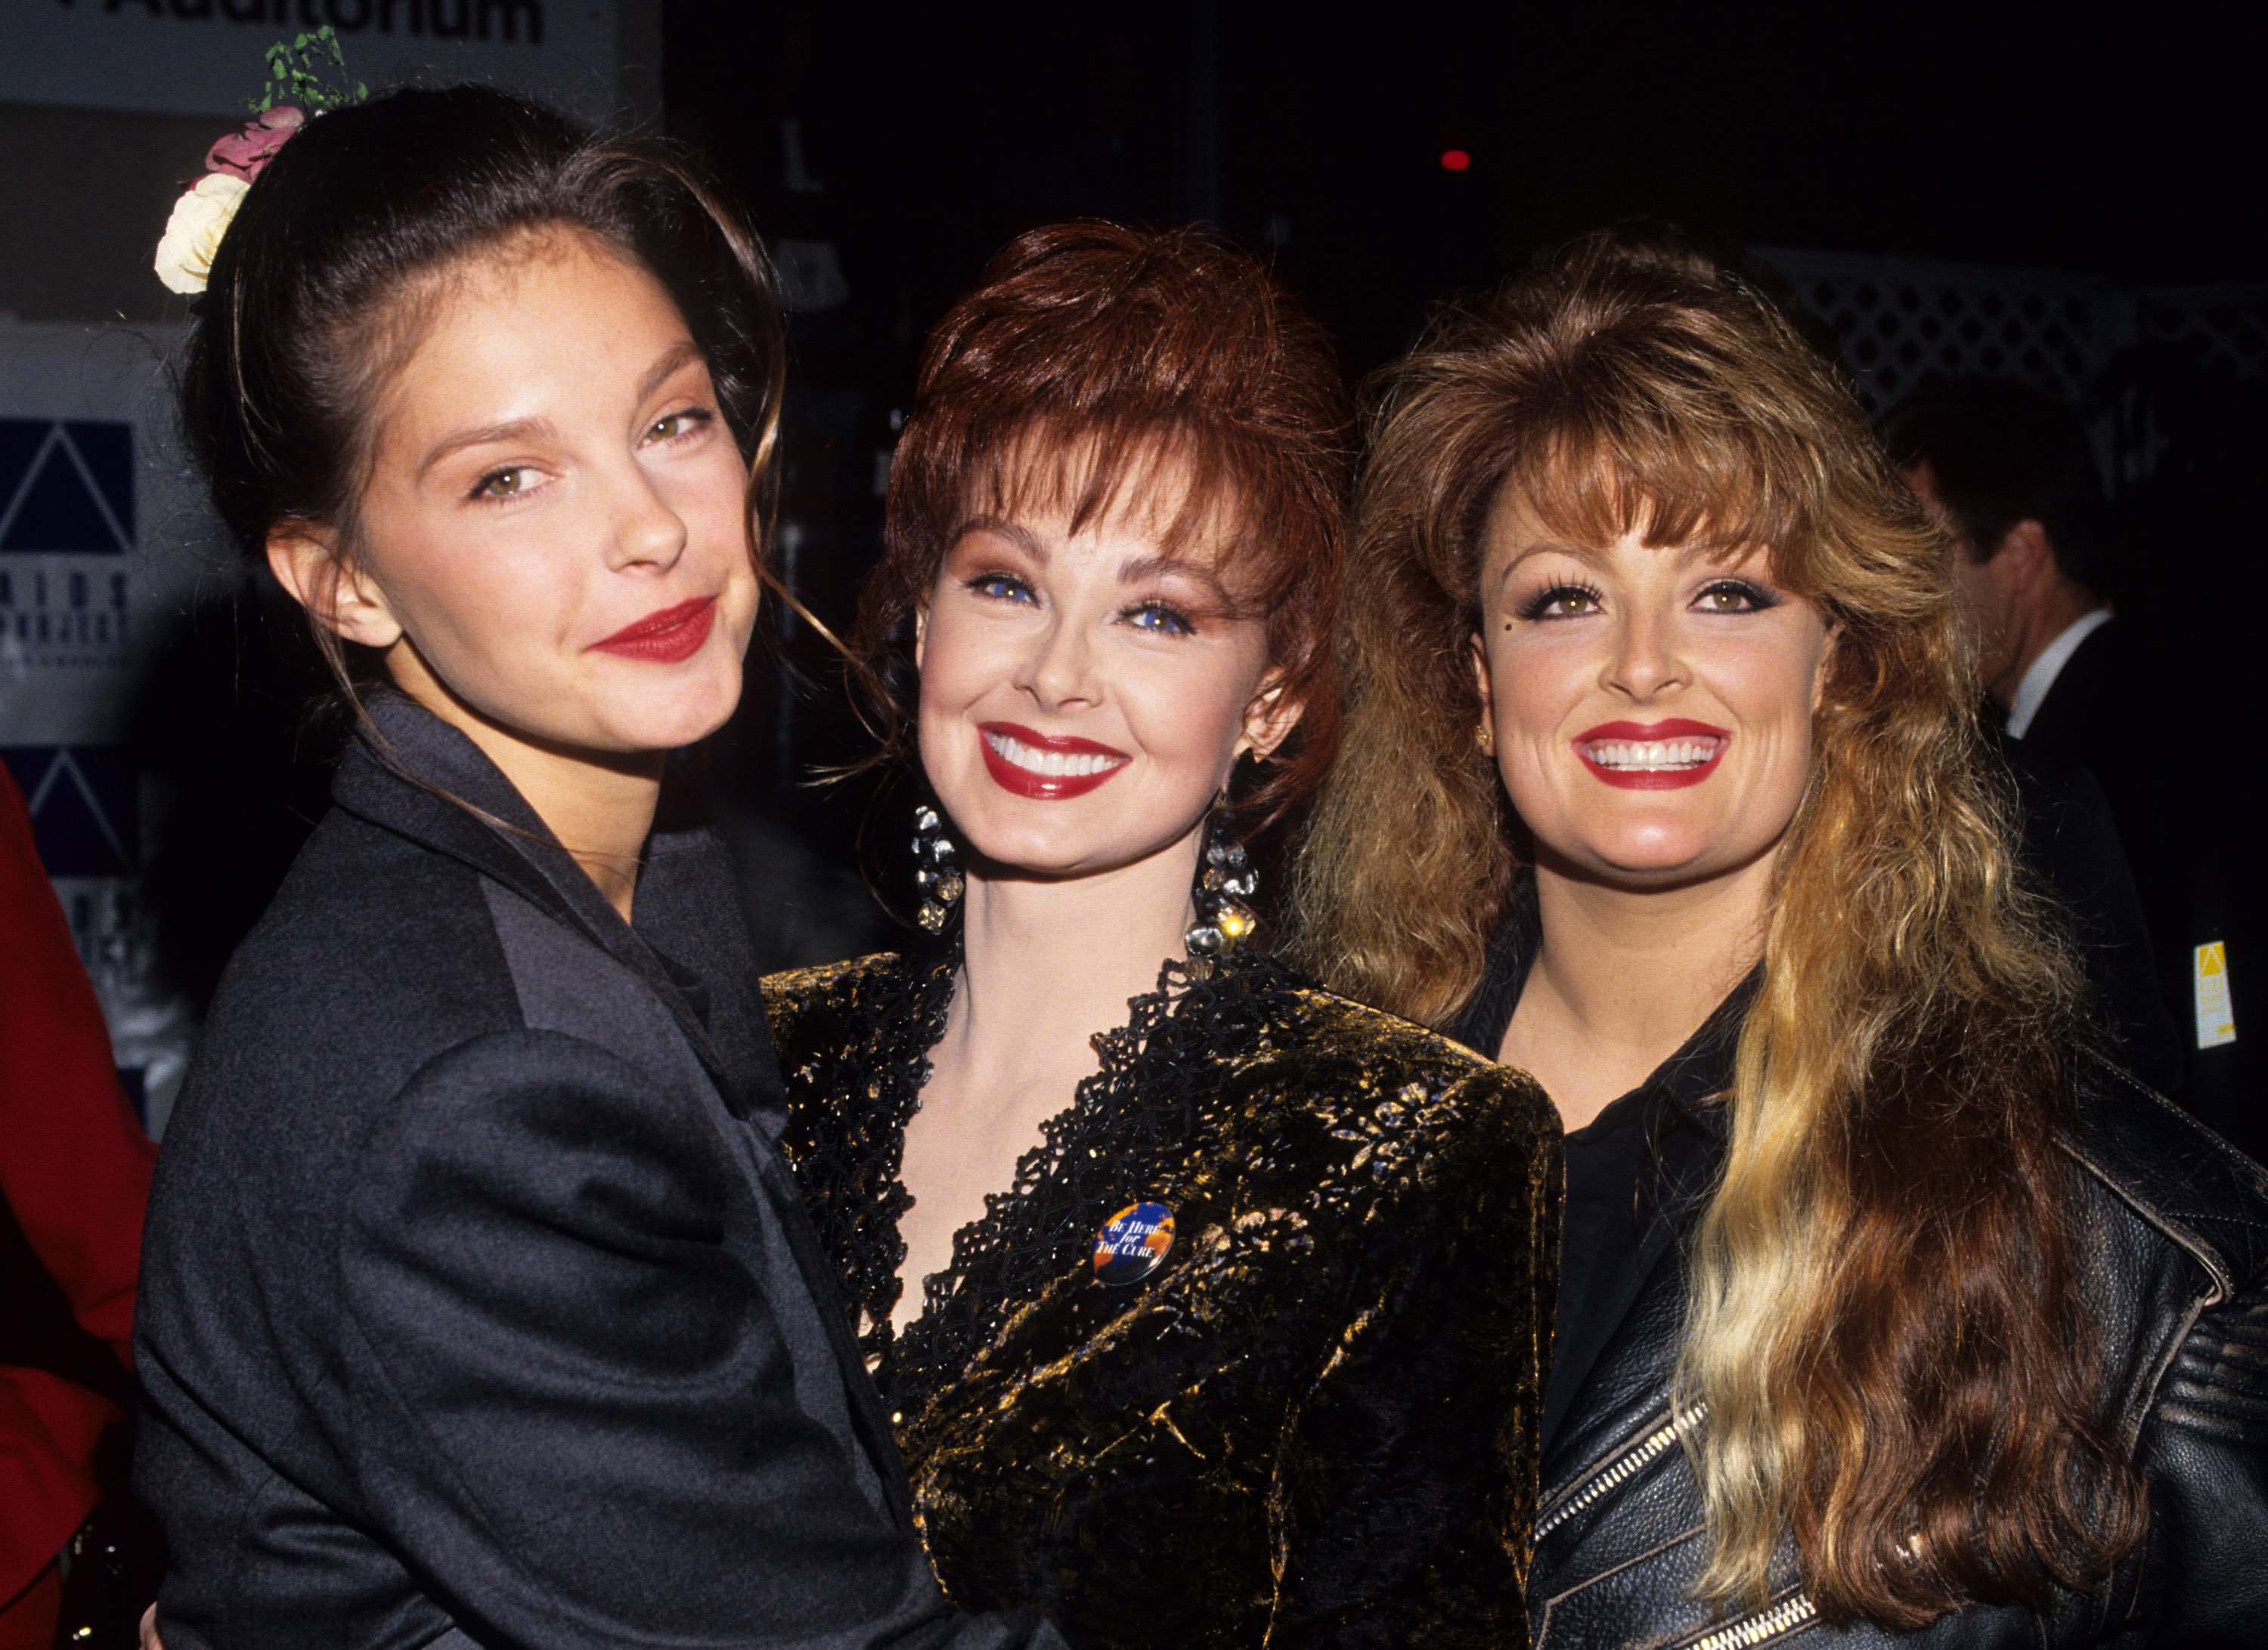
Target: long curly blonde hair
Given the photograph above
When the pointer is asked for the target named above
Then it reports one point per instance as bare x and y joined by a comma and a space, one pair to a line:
1882, 1321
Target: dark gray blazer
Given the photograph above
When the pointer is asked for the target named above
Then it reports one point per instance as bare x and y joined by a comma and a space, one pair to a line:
476, 1297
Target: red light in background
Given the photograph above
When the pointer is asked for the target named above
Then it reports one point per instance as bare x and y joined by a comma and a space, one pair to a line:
1456, 160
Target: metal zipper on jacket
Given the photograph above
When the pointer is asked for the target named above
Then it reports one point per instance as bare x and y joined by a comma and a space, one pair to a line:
1621, 1469
1784, 1616
1789, 1614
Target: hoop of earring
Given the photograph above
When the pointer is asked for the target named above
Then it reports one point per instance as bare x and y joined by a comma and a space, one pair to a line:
937, 878
1225, 880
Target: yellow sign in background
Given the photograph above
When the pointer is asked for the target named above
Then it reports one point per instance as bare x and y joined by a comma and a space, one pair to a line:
2216, 1021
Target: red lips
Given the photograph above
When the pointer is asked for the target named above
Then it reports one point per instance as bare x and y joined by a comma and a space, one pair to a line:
667, 637
1589, 746
1056, 749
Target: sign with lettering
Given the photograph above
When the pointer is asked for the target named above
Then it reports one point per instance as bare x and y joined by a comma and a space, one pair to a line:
105, 549
207, 56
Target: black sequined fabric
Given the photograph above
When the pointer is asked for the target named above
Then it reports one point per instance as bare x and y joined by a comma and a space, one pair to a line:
1314, 1425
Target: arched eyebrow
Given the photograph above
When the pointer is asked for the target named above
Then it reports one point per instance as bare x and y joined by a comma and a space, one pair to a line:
1137, 569
1022, 537
1133, 571
1588, 556
1687, 555
672, 361
486, 435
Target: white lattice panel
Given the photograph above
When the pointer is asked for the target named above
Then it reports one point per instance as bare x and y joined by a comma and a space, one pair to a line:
1903, 320
2222, 329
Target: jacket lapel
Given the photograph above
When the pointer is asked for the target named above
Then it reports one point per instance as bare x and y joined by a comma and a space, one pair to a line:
410, 773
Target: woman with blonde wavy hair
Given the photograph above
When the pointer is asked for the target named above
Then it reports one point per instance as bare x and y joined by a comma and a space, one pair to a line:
1886, 1303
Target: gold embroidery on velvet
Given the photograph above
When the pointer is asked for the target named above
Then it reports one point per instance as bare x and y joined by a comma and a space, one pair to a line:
1316, 1423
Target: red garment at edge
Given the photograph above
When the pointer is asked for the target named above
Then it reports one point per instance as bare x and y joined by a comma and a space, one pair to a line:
74, 1170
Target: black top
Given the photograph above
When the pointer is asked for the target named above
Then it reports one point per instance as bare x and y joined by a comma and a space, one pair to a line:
1635, 1173
476, 1292
2175, 1280
2174, 1274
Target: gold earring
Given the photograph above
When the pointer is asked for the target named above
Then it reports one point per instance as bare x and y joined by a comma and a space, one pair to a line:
1485, 736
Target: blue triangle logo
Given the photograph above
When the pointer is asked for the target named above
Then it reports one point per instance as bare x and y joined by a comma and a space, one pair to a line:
61, 507
106, 451
83, 805
20, 440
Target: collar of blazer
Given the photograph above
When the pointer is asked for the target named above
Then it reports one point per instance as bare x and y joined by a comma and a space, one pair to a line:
401, 774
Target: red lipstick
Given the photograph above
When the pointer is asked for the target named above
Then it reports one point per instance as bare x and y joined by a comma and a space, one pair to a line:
670, 637
1019, 761
1691, 754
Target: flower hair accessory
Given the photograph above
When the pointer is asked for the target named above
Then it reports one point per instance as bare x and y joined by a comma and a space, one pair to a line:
193, 233
246, 154
298, 91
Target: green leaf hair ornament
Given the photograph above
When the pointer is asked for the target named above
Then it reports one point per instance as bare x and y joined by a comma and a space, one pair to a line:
298, 89
300, 74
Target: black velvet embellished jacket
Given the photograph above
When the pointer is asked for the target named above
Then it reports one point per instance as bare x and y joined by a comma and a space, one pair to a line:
1315, 1423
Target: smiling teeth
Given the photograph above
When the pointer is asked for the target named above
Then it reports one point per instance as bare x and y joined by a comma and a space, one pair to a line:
1659, 756
1051, 764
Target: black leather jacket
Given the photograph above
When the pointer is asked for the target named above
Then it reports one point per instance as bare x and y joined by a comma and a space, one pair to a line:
2178, 1282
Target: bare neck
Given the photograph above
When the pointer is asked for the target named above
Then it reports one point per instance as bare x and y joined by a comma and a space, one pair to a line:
1623, 978
1048, 964
600, 806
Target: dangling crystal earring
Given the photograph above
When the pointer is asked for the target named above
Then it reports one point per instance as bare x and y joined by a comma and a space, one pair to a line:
1228, 880
936, 878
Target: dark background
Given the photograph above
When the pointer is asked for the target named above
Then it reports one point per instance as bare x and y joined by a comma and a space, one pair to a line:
2132, 146
2002, 134
885, 152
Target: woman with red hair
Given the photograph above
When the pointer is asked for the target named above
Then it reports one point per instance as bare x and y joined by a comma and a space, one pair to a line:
1224, 1326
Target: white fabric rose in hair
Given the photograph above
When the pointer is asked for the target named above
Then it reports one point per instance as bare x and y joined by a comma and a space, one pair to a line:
194, 232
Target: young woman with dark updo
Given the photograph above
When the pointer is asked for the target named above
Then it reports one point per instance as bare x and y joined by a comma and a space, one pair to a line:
477, 1306
1211, 1308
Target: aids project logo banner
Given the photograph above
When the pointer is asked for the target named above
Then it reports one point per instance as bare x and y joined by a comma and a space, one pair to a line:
66, 526
67, 532
101, 543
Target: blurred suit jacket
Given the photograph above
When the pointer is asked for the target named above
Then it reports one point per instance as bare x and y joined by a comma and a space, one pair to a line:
2167, 757
2072, 843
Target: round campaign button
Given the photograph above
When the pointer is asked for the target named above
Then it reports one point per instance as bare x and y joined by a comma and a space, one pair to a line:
1133, 1245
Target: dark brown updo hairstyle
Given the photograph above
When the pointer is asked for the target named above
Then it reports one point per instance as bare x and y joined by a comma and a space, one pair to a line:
1088, 355
321, 285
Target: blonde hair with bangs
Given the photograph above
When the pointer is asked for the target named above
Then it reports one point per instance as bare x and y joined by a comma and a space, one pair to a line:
1881, 1330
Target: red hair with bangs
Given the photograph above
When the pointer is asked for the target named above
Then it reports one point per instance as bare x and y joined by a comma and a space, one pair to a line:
1091, 360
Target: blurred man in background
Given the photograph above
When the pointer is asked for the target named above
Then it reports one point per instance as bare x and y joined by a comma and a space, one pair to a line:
2079, 691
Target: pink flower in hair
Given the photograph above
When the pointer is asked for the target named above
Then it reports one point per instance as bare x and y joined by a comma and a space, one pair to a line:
246, 154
